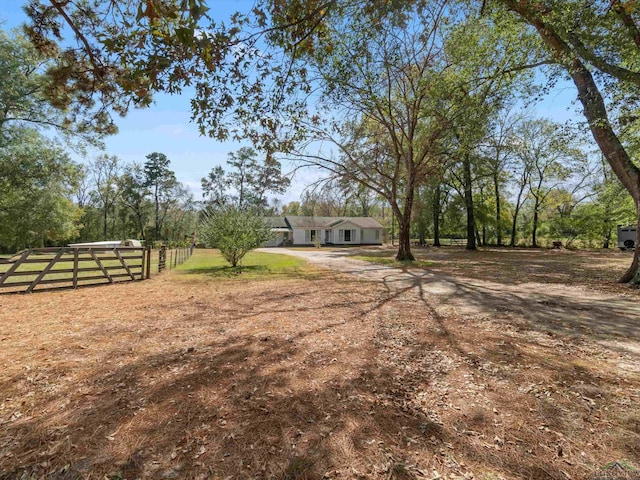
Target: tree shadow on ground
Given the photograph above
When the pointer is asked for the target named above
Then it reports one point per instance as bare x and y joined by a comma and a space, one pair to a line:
375, 391
547, 310
539, 307
251, 271
520, 265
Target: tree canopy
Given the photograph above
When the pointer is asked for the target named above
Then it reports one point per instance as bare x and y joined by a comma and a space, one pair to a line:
37, 181
246, 183
374, 78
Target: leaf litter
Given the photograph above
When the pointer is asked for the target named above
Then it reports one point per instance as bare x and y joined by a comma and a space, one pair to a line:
330, 377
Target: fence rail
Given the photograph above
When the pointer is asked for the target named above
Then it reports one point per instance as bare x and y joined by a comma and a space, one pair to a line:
69, 267
459, 242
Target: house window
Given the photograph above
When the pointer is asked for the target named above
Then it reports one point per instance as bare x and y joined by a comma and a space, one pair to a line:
347, 235
310, 236
377, 235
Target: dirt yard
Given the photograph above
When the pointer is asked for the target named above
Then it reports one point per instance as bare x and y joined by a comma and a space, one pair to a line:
333, 375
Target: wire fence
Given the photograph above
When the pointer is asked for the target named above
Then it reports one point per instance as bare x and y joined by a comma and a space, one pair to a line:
169, 259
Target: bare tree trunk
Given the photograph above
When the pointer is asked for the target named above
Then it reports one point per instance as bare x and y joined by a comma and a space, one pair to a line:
496, 188
436, 216
404, 225
422, 233
516, 212
404, 240
534, 240
393, 229
157, 225
468, 200
141, 226
514, 225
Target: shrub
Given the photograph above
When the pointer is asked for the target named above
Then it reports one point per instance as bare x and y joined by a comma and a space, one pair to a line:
234, 232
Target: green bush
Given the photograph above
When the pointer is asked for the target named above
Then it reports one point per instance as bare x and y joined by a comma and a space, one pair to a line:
234, 232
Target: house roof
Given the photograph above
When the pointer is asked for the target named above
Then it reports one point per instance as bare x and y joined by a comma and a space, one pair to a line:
362, 222
330, 222
277, 222
303, 222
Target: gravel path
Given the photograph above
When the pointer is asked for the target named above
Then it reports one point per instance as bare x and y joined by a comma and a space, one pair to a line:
554, 307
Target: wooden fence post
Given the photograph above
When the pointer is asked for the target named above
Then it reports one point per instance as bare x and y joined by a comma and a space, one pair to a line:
162, 258
148, 265
75, 268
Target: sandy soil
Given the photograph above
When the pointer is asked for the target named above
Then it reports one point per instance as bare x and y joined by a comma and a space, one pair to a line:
592, 308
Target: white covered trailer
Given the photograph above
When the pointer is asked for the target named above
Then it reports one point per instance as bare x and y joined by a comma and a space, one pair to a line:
108, 244
627, 237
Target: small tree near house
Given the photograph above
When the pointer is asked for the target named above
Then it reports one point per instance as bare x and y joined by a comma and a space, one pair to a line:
234, 232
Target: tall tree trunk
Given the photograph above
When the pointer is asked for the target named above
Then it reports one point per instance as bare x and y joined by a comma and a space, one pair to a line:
436, 216
141, 226
157, 226
534, 240
514, 226
404, 224
104, 223
422, 232
468, 200
608, 231
496, 188
404, 240
595, 111
516, 212
393, 229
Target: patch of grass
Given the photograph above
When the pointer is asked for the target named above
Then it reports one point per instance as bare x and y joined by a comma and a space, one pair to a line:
392, 262
255, 266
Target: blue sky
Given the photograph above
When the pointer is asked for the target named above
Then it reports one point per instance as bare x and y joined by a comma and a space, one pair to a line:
165, 126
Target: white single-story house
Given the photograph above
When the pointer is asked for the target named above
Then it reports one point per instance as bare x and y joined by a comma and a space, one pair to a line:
307, 231
282, 232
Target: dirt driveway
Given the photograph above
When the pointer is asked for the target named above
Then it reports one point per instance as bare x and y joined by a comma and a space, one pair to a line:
568, 309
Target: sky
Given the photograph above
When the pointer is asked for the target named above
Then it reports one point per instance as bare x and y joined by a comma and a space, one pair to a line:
165, 126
